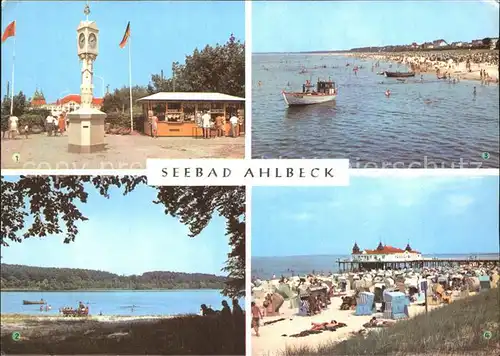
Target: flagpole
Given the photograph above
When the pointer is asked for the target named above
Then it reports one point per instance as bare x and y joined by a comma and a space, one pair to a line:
12, 94
130, 82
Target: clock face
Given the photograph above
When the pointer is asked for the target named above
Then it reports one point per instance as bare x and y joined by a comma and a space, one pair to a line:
92, 41
81, 40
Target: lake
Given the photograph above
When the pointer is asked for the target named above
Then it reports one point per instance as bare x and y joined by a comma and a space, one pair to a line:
425, 123
266, 267
120, 302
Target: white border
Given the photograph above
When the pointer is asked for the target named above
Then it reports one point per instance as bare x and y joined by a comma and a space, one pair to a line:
423, 172
248, 271
248, 79
353, 172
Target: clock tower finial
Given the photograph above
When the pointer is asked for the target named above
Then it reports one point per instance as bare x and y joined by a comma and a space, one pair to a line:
86, 10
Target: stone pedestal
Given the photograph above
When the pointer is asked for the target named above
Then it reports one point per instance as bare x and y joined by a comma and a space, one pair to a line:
86, 131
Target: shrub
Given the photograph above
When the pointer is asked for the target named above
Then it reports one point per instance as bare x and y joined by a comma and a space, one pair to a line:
35, 121
119, 120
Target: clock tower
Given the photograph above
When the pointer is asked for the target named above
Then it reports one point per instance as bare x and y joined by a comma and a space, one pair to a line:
86, 125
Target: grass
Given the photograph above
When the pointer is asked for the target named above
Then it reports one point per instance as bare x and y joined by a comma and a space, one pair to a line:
186, 335
454, 329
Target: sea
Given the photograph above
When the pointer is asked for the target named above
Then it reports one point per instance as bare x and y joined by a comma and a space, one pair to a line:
265, 267
432, 124
116, 302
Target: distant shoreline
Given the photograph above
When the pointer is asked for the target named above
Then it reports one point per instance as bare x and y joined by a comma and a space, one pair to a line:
106, 290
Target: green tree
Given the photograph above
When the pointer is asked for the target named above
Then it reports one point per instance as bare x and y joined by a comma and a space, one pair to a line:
20, 104
119, 100
50, 200
219, 68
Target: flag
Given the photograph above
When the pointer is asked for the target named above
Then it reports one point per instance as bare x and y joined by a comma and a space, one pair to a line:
10, 31
126, 35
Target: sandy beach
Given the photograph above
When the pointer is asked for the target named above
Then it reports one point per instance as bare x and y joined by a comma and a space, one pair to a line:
453, 62
271, 340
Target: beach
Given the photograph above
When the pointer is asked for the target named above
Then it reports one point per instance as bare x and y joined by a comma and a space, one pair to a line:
453, 62
271, 340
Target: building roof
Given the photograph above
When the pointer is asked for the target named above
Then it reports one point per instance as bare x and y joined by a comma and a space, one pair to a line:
188, 96
77, 99
386, 250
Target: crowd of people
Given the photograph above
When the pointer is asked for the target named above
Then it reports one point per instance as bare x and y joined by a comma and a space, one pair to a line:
225, 311
54, 125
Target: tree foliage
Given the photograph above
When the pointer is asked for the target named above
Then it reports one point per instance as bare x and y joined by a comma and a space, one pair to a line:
42, 278
219, 68
51, 201
21, 104
119, 100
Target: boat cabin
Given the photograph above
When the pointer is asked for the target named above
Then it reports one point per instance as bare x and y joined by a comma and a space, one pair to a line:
179, 113
322, 87
326, 87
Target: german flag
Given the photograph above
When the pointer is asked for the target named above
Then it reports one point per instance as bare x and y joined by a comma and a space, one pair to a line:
10, 31
126, 35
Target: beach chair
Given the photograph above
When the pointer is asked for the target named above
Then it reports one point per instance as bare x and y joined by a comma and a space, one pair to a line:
396, 305
484, 282
364, 305
293, 298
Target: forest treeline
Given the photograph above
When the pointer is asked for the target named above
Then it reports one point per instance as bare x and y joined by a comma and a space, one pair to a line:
42, 278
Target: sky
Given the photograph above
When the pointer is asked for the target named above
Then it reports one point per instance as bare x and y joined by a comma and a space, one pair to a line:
161, 33
323, 25
436, 215
127, 235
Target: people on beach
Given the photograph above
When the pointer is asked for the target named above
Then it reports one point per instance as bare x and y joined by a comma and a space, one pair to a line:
219, 126
225, 311
256, 317
237, 311
206, 310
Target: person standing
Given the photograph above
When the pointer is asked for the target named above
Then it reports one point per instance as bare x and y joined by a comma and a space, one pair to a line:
154, 126
219, 125
50, 124
206, 124
61, 124
256, 316
234, 125
13, 126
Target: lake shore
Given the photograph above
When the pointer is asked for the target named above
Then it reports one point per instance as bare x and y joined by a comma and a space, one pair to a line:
113, 334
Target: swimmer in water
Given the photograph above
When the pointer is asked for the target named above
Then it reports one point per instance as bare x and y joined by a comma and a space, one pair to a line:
388, 93
474, 92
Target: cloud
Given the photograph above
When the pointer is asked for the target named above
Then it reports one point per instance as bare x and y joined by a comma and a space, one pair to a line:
303, 216
459, 203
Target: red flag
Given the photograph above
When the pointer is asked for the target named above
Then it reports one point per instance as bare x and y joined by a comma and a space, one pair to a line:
124, 41
10, 31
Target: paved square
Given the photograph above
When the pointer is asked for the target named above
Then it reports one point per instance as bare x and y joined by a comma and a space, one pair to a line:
122, 152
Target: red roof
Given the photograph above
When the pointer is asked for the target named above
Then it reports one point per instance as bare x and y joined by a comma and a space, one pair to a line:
77, 99
387, 250
38, 102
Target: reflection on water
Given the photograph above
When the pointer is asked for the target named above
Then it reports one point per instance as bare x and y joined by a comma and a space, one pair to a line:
325, 110
430, 121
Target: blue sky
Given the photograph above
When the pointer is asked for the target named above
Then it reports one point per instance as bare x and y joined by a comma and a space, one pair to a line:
436, 214
162, 32
320, 25
127, 235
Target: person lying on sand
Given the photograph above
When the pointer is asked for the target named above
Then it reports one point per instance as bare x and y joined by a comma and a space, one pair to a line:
374, 323
327, 325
